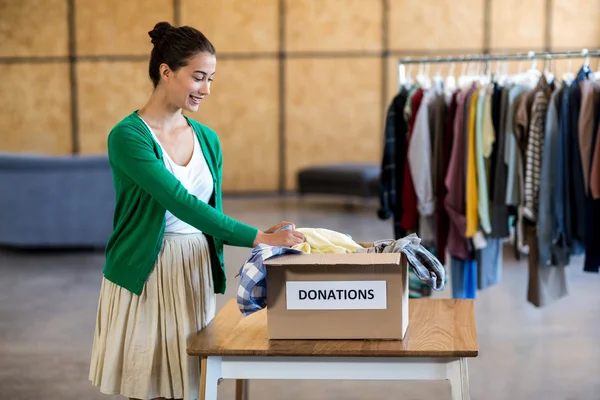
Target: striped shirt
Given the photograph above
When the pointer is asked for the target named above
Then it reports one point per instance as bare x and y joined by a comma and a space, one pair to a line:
533, 155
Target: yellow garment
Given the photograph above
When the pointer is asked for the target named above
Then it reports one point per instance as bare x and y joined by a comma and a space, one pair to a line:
471, 192
320, 240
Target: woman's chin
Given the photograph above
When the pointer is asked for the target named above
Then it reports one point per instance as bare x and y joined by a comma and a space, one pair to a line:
190, 107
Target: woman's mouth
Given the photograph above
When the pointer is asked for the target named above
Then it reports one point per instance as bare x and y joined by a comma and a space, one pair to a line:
195, 99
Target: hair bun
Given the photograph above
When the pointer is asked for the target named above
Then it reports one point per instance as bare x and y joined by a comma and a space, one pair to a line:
159, 32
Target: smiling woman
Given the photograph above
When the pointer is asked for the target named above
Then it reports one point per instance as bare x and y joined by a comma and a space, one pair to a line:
164, 259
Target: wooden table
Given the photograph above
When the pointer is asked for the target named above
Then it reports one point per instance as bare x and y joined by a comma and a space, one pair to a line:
441, 336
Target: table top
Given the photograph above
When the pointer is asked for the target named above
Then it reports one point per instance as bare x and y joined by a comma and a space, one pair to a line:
436, 328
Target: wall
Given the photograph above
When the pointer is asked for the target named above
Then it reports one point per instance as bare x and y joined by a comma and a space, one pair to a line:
299, 81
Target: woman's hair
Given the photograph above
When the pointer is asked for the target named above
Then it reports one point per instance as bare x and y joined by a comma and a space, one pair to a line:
174, 47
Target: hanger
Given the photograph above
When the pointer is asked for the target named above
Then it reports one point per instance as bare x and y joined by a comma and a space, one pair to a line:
547, 73
451, 80
533, 73
438, 81
585, 68
596, 75
485, 76
568, 76
422, 78
466, 77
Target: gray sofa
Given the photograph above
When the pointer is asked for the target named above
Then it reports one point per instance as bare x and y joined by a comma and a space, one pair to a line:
55, 202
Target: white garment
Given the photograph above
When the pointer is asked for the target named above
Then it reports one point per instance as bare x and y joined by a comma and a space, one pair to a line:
195, 177
420, 161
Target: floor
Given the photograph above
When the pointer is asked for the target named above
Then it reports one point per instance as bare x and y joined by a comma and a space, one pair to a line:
48, 306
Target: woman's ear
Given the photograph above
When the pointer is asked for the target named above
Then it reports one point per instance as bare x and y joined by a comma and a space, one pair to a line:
165, 71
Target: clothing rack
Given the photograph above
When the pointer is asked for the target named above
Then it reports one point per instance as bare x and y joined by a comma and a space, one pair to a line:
487, 59
529, 56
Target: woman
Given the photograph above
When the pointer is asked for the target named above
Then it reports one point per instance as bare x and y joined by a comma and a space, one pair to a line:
164, 260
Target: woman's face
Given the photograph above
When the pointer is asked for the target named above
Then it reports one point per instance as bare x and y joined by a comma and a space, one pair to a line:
189, 84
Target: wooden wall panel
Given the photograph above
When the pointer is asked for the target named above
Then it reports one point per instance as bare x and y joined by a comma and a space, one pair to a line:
436, 25
575, 24
243, 110
333, 112
235, 26
333, 25
518, 24
118, 27
33, 28
35, 112
108, 91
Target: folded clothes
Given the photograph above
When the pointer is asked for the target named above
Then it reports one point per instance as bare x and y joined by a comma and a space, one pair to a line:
326, 241
252, 290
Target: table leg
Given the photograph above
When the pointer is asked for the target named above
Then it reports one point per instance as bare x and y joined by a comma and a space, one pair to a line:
210, 373
241, 389
457, 373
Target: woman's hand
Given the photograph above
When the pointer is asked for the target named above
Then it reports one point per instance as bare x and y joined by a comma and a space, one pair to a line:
283, 238
279, 225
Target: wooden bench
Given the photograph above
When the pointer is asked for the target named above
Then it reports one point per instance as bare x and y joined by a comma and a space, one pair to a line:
441, 336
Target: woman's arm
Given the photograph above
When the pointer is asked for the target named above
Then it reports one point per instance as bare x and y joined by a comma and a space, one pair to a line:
134, 158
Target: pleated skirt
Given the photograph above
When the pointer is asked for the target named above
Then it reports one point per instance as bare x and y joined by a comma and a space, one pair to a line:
139, 346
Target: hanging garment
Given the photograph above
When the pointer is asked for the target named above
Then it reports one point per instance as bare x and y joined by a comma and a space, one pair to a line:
499, 209
471, 168
592, 233
515, 96
420, 165
545, 284
576, 189
589, 94
561, 206
595, 171
443, 220
533, 161
409, 197
481, 146
464, 278
546, 214
489, 264
454, 202
437, 117
394, 154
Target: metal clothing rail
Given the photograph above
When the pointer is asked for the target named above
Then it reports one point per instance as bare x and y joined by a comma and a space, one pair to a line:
529, 56
501, 57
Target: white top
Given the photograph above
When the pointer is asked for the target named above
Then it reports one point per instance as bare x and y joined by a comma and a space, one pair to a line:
195, 177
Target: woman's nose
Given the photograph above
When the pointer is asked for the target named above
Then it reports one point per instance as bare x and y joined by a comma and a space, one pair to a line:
205, 88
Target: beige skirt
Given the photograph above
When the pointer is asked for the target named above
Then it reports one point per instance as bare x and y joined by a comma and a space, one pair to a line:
139, 347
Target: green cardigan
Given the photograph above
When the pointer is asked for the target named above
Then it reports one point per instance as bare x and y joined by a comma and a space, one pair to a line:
145, 190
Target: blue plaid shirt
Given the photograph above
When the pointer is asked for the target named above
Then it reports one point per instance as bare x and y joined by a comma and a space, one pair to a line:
252, 290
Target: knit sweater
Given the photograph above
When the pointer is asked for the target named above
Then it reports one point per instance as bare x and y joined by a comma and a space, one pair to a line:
145, 190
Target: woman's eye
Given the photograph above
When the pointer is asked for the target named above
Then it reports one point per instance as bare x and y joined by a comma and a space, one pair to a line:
198, 79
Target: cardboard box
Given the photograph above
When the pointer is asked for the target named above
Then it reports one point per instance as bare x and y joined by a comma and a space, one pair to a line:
337, 296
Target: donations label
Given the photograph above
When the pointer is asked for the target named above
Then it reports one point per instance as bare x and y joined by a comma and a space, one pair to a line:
336, 295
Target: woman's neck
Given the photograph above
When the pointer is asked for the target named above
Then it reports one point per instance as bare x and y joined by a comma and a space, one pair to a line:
159, 113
